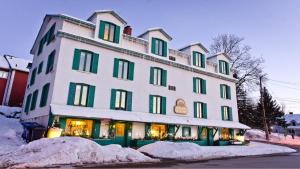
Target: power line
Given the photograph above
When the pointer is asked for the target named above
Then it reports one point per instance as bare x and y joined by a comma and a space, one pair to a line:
286, 86
284, 82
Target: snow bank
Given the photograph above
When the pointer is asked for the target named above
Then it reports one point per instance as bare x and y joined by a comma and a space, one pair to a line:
69, 150
259, 135
191, 151
11, 112
10, 134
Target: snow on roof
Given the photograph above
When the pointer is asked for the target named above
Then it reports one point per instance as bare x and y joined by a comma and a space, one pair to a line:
194, 44
17, 63
292, 117
219, 53
108, 11
3, 63
73, 111
156, 29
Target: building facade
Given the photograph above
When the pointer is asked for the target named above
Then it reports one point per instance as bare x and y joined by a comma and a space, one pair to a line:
100, 82
13, 80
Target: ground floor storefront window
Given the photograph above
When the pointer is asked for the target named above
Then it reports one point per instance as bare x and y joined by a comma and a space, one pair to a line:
225, 134
158, 131
79, 127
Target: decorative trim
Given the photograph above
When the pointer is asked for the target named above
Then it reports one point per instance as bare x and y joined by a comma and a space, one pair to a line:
76, 21
140, 55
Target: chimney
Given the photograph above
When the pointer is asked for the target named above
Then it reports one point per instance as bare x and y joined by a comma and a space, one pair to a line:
127, 30
291, 113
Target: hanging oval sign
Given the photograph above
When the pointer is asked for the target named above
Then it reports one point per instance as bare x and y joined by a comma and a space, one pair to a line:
180, 107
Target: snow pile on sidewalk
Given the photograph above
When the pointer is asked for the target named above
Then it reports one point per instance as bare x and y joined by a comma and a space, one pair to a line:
11, 112
69, 150
259, 135
10, 134
191, 151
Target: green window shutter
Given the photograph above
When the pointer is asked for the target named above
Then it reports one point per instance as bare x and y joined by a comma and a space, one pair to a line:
171, 129
153, 45
151, 75
194, 58
228, 90
165, 49
96, 131
230, 113
95, 61
44, 96
129, 101
231, 131
91, 96
50, 62
40, 68
227, 68
222, 112
164, 78
34, 98
150, 104
220, 66
33, 75
202, 60
28, 100
76, 59
195, 109
203, 86
131, 71
113, 99
71, 95
116, 67
204, 110
163, 105
194, 84
221, 91
147, 130
51, 35
117, 34
62, 122
101, 29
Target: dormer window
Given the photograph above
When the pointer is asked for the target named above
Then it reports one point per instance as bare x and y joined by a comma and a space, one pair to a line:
109, 32
223, 67
198, 59
159, 47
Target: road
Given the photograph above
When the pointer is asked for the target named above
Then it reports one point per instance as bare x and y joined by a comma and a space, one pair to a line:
270, 161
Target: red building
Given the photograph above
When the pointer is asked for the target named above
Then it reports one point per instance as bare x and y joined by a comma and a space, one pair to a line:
13, 79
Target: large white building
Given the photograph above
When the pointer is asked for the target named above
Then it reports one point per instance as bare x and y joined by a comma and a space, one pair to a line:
97, 81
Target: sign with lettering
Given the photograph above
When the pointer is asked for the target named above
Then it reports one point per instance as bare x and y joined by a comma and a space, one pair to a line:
180, 107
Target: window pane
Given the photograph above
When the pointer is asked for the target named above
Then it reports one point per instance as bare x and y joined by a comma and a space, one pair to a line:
117, 104
199, 111
160, 48
120, 70
81, 62
123, 100
154, 105
77, 95
158, 105
156, 46
84, 95
158, 77
88, 62
155, 76
125, 70
112, 33
106, 31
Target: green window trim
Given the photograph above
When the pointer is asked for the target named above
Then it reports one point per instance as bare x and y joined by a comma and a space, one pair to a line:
159, 47
40, 67
50, 62
47, 38
33, 75
158, 76
83, 92
44, 96
186, 131
112, 29
85, 61
121, 100
157, 104
225, 91
34, 99
199, 85
223, 67
203, 108
226, 113
198, 59
27, 104
123, 69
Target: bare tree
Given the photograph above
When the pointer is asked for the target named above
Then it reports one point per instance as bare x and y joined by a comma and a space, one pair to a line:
247, 68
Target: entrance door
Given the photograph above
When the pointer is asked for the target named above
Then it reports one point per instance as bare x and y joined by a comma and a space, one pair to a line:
210, 137
120, 134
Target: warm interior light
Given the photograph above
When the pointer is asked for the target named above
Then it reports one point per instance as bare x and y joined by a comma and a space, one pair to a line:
240, 138
54, 132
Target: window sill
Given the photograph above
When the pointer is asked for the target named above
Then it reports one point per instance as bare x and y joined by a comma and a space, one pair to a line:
122, 79
158, 85
86, 72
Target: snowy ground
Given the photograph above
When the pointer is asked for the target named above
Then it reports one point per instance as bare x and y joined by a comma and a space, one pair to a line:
11, 112
259, 135
191, 151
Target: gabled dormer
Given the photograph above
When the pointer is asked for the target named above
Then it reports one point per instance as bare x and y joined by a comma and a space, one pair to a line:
158, 41
198, 54
109, 26
222, 60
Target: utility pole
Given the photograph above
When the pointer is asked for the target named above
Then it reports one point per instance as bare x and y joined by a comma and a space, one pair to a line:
262, 103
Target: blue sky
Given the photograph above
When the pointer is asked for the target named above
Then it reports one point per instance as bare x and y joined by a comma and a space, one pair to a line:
270, 27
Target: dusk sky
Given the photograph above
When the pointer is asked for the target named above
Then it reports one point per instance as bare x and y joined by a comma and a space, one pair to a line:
270, 27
